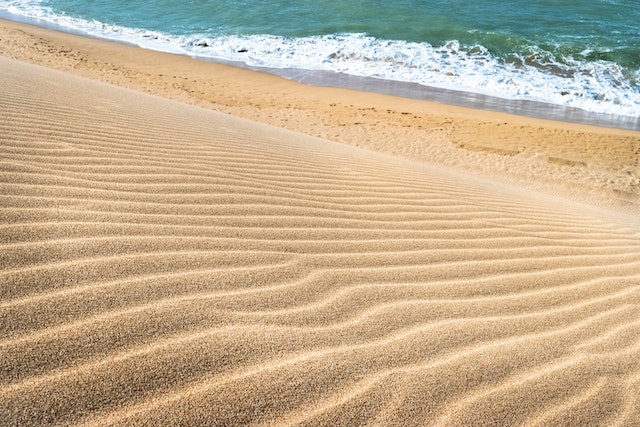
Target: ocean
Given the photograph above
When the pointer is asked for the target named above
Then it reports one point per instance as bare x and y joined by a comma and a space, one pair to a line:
582, 55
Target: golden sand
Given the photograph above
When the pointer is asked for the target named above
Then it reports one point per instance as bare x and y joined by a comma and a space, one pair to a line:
165, 264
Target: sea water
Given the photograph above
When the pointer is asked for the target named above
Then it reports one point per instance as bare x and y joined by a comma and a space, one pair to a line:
579, 54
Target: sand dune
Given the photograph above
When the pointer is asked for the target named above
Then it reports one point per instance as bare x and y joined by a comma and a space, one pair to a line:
166, 264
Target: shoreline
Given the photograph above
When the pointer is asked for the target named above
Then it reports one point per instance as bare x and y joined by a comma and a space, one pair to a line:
398, 88
452, 97
595, 165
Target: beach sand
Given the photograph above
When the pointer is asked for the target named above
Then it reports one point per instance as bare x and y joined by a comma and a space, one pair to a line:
368, 260
599, 166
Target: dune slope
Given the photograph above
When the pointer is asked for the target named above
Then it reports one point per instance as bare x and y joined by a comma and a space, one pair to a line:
166, 264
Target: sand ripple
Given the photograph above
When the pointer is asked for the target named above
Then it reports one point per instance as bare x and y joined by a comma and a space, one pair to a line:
165, 264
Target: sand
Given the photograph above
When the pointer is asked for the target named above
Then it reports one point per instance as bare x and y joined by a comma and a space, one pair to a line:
167, 264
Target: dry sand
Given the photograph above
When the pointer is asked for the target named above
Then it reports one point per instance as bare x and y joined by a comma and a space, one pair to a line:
165, 264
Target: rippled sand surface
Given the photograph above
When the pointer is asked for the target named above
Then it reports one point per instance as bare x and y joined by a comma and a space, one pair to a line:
163, 264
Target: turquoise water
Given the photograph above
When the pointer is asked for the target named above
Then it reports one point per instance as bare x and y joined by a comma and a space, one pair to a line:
583, 54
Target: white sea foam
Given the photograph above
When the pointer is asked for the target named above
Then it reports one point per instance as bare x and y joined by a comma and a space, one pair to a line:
600, 87
593, 86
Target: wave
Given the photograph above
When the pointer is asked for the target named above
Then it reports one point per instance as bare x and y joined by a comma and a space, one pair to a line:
533, 74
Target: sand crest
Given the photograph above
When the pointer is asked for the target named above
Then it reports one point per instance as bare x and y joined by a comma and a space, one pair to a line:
164, 264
